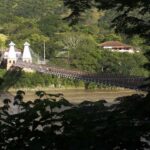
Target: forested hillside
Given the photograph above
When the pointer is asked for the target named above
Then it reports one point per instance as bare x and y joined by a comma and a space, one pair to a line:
76, 46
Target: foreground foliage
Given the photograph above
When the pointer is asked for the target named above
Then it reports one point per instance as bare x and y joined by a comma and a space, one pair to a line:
51, 122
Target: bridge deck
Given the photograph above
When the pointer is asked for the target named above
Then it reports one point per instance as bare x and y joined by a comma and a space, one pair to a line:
120, 80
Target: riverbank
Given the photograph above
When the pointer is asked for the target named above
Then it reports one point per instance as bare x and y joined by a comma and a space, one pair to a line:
73, 95
52, 88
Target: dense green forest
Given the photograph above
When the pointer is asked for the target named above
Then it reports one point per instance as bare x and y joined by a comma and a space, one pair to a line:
74, 47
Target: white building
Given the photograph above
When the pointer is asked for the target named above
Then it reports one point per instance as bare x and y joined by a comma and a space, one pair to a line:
117, 46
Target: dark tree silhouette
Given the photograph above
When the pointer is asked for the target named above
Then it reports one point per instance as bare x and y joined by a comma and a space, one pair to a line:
31, 125
52, 123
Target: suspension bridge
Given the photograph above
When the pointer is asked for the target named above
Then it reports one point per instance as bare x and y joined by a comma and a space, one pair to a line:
29, 60
131, 82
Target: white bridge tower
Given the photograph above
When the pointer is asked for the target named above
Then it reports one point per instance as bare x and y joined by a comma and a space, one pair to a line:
11, 55
26, 57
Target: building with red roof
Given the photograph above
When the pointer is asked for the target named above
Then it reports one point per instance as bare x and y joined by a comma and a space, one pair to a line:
117, 46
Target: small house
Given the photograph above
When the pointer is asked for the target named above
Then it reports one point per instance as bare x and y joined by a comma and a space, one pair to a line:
117, 46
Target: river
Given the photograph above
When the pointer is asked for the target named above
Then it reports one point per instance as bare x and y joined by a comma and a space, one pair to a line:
76, 95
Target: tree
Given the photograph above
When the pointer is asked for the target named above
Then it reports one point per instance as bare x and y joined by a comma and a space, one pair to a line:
133, 17
52, 24
51, 122
122, 63
31, 125
70, 40
86, 55
3, 39
38, 10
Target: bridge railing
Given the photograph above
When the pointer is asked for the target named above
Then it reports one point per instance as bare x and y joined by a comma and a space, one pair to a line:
105, 78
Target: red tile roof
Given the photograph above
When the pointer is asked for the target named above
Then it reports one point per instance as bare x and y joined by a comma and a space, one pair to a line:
115, 44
